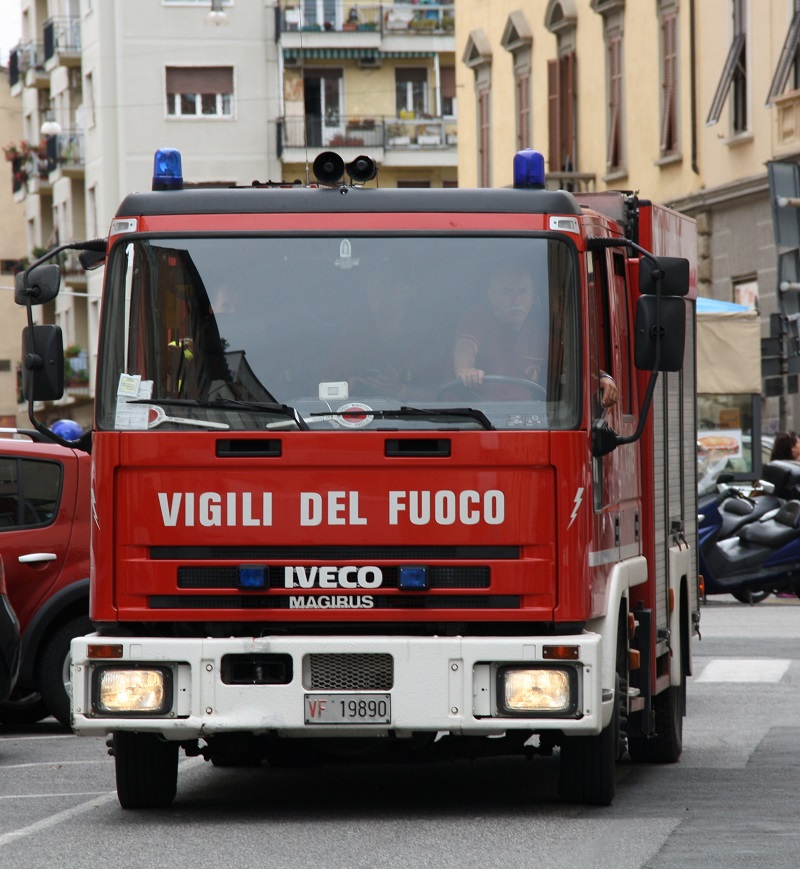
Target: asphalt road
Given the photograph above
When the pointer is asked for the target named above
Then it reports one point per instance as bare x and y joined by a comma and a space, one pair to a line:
732, 801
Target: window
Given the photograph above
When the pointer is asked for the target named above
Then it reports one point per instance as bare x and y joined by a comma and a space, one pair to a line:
734, 75
411, 89
199, 91
561, 19
562, 113
614, 159
29, 492
787, 73
523, 94
478, 57
447, 78
613, 13
669, 84
484, 139
518, 39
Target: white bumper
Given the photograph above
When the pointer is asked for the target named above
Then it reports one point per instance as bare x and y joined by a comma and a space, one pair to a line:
437, 684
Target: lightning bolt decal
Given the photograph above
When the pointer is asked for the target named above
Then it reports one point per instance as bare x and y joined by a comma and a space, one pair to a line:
94, 511
578, 501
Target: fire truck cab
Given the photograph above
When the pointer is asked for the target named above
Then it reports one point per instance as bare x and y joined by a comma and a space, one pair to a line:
354, 474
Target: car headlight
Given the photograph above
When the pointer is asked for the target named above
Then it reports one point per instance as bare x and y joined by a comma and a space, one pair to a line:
537, 690
132, 691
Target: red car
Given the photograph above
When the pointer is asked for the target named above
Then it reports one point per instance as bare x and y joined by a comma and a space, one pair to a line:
44, 540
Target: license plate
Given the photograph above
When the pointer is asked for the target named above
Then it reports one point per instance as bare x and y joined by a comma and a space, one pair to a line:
348, 708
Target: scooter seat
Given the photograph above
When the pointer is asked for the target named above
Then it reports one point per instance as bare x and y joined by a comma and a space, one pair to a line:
775, 531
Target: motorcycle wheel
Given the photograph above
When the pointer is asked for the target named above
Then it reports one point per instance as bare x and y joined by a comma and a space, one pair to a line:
751, 597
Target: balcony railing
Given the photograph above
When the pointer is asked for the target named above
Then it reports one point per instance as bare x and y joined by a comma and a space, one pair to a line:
28, 55
62, 36
418, 18
349, 132
575, 182
65, 150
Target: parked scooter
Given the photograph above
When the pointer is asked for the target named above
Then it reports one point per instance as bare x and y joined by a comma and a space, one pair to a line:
749, 545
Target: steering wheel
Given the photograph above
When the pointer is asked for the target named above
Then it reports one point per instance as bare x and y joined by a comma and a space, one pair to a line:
491, 378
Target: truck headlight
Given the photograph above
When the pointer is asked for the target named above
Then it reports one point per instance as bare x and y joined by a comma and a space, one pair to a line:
537, 690
132, 691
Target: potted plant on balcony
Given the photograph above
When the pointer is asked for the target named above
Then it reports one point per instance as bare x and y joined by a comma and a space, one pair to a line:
12, 152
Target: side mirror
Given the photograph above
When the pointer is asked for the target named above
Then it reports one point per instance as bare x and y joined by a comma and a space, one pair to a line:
42, 285
670, 327
91, 259
675, 275
42, 363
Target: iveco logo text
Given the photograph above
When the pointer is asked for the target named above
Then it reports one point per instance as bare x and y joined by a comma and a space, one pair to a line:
332, 577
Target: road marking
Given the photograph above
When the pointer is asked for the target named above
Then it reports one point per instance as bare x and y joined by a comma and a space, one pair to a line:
58, 818
744, 670
42, 796
54, 764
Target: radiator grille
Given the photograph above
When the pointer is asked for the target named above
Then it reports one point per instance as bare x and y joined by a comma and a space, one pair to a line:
228, 577
353, 672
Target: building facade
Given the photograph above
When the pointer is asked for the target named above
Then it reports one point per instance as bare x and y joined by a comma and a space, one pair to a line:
252, 92
12, 253
687, 101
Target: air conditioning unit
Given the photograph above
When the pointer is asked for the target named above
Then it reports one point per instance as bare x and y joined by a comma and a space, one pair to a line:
372, 62
292, 62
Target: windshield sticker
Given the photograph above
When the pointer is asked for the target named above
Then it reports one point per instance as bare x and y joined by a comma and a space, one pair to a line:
355, 414
132, 416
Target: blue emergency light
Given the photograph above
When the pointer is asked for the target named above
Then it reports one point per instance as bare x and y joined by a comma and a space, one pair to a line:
167, 170
413, 578
529, 169
252, 575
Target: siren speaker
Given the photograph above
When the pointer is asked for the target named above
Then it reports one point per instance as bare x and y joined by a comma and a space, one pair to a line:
328, 168
362, 169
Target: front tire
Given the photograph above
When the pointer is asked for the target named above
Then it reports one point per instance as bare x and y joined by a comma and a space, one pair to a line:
588, 769
147, 770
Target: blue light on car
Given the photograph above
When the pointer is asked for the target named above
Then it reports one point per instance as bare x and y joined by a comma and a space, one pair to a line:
252, 576
529, 169
167, 170
415, 578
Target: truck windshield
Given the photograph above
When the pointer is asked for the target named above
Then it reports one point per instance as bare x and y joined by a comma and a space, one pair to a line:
313, 333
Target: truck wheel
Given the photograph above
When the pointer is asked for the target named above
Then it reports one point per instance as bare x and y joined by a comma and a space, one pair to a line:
147, 770
588, 769
52, 669
666, 746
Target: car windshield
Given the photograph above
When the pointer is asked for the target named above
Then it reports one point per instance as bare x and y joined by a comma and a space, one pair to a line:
340, 333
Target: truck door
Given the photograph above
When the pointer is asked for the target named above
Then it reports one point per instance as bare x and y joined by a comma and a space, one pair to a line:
614, 476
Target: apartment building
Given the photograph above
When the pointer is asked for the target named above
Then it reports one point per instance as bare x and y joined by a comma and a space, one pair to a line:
101, 86
251, 90
12, 252
360, 77
686, 101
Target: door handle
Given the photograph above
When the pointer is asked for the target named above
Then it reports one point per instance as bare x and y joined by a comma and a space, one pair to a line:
37, 556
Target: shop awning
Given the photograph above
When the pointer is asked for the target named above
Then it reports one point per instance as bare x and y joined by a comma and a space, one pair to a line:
728, 348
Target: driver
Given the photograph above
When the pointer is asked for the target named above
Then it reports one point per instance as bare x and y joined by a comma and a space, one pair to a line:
506, 336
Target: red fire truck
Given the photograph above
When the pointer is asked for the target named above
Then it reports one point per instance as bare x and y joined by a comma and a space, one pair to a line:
317, 523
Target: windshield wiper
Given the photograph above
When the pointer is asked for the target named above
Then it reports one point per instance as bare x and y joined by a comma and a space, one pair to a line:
293, 417
418, 412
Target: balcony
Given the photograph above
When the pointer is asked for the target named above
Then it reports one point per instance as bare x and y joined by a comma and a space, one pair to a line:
392, 141
62, 42
574, 182
335, 16
787, 123
65, 153
26, 66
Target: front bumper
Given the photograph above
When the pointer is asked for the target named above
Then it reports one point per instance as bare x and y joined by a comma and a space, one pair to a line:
435, 684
